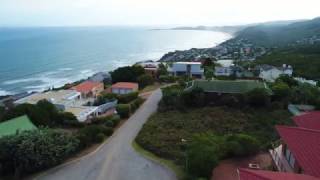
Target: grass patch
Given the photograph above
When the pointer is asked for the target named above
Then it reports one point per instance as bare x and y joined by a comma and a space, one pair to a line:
163, 132
168, 163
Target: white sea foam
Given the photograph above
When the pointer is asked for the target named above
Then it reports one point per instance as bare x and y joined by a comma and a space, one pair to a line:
65, 69
17, 81
3, 92
50, 79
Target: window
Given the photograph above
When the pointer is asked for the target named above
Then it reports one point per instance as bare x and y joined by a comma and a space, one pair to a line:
289, 157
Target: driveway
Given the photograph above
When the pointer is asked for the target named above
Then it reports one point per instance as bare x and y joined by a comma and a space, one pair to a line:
116, 160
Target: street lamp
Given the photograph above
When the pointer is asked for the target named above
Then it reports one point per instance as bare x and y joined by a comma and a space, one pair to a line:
184, 148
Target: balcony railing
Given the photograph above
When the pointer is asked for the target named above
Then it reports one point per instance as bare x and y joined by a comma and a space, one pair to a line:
280, 160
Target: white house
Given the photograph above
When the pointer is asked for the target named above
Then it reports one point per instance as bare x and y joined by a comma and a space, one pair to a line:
223, 71
192, 69
68, 101
271, 73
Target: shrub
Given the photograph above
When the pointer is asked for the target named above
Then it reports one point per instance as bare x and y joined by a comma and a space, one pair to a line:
127, 98
89, 134
115, 119
229, 100
123, 110
127, 74
108, 131
167, 79
145, 80
281, 90
31, 151
242, 145
258, 97
193, 98
100, 137
204, 153
134, 105
100, 120
109, 123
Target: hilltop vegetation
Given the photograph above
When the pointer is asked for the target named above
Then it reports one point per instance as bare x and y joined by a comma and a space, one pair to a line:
270, 35
305, 60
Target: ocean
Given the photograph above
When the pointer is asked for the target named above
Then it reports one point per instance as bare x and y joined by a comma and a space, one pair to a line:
35, 59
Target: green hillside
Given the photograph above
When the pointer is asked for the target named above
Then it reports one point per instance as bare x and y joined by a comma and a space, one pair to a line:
280, 34
305, 60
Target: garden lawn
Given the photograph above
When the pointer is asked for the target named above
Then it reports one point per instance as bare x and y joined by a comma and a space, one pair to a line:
163, 132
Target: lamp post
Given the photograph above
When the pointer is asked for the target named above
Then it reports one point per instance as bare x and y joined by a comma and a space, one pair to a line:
184, 146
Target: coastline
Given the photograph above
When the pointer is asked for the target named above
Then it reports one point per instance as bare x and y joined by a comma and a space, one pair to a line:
6, 93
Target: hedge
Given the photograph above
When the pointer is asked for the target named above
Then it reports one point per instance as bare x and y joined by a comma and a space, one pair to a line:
90, 134
123, 110
126, 98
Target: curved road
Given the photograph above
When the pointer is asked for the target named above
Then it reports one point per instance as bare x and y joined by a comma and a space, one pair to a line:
117, 160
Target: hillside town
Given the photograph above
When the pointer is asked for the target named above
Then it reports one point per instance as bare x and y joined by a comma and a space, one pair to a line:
221, 113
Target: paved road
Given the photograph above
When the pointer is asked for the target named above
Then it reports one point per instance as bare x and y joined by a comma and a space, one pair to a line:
117, 160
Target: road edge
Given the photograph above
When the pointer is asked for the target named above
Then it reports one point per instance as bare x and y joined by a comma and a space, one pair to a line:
178, 171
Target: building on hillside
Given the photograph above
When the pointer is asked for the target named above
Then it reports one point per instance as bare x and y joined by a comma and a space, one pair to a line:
249, 174
191, 69
100, 77
299, 151
89, 89
226, 86
152, 71
271, 73
68, 101
124, 87
16, 125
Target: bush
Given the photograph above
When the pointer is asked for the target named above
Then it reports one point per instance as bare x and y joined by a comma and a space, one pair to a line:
89, 134
193, 98
100, 137
123, 110
167, 79
108, 131
204, 153
116, 120
127, 74
109, 123
145, 80
281, 90
127, 98
32, 151
258, 97
134, 105
242, 145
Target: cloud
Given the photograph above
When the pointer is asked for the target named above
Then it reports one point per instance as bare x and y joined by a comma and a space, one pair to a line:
152, 12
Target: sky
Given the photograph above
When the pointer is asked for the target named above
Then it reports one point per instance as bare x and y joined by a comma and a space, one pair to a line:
152, 12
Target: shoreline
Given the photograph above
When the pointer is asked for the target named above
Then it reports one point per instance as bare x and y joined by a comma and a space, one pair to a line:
4, 93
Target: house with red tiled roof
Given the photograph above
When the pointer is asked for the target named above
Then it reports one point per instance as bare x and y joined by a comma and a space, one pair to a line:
309, 120
299, 151
248, 174
89, 88
124, 87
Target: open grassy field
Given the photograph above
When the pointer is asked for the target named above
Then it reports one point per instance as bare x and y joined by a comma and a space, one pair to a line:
162, 134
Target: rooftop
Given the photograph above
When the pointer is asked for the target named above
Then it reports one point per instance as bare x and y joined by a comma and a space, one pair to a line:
55, 97
310, 120
12, 126
226, 86
248, 174
81, 112
126, 85
305, 146
197, 63
86, 86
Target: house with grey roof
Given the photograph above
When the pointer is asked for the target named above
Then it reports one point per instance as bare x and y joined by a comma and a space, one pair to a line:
271, 73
